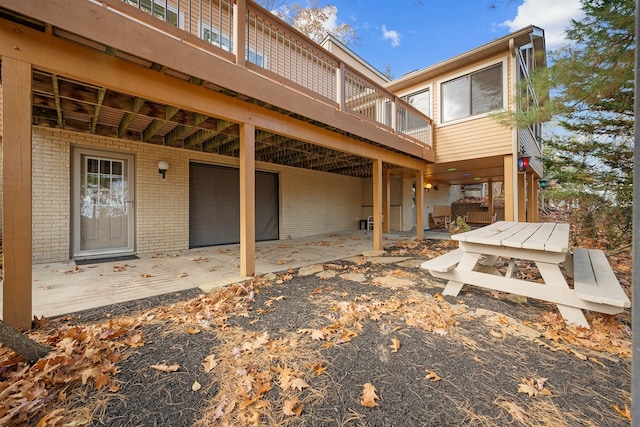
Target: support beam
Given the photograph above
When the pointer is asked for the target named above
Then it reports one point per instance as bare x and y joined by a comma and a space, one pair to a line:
490, 197
16, 192
94, 120
532, 198
377, 204
420, 205
128, 117
521, 194
386, 201
510, 177
247, 200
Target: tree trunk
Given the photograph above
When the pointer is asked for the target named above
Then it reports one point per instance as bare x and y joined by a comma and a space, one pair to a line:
22, 345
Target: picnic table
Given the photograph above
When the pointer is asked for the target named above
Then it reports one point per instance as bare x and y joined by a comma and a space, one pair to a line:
546, 245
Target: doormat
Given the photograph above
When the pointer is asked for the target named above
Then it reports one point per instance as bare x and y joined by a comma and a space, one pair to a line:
86, 261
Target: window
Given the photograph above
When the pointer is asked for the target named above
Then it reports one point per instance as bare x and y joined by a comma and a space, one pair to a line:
421, 101
214, 37
475, 93
158, 8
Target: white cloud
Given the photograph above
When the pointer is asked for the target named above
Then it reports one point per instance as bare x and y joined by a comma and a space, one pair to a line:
553, 16
391, 35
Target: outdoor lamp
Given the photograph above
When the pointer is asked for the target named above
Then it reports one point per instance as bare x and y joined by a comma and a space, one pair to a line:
162, 167
543, 184
428, 186
523, 163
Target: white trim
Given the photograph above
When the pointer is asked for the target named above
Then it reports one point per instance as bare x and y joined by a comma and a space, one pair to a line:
467, 71
77, 153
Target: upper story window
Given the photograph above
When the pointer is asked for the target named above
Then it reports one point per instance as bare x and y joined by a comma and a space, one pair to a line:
214, 37
158, 8
421, 101
475, 93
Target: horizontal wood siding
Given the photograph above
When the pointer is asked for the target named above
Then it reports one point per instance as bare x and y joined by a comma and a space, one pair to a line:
474, 137
483, 137
531, 148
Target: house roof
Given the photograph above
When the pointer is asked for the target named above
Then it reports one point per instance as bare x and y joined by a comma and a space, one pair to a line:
528, 34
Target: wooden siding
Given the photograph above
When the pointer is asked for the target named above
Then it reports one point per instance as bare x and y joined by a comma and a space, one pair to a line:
469, 138
532, 149
483, 137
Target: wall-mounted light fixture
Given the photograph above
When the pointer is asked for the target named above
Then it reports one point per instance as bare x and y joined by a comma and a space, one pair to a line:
523, 163
543, 184
162, 167
428, 186
436, 187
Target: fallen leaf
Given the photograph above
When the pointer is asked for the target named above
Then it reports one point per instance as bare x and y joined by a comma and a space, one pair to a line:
166, 368
395, 345
515, 411
432, 376
192, 330
369, 396
533, 388
299, 384
292, 407
209, 363
626, 413
319, 368
196, 386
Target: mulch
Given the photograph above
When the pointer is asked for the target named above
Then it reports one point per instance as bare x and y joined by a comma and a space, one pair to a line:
298, 349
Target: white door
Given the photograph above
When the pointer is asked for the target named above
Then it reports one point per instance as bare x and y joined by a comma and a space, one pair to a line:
103, 214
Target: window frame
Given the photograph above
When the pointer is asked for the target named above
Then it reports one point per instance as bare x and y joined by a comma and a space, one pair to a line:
226, 44
469, 73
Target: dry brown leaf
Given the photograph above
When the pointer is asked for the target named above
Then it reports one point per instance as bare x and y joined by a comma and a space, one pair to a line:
369, 396
626, 413
292, 407
515, 411
209, 363
299, 384
166, 368
533, 388
431, 375
319, 368
192, 330
395, 345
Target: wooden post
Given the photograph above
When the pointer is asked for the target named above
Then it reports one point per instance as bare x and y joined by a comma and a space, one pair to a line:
377, 204
522, 194
247, 200
386, 201
510, 207
240, 30
532, 198
490, 198
16, 193
420, 205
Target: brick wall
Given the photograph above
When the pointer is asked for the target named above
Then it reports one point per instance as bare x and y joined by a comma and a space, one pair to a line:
310, 202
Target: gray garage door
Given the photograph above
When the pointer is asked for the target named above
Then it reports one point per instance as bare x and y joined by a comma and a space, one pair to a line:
214, 205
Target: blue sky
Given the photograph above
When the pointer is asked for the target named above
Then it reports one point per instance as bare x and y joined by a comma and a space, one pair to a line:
414, 34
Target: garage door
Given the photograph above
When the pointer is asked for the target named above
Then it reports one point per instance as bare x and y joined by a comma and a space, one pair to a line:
214, 205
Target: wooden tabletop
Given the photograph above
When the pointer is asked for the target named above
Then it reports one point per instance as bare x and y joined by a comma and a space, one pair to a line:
543, 236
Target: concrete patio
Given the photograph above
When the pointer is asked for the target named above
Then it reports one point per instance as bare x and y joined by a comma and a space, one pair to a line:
62, 288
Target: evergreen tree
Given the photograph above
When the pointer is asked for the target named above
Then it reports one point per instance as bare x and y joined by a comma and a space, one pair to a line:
593, 94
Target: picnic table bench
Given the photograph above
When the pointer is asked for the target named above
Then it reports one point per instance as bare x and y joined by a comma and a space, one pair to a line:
547, 245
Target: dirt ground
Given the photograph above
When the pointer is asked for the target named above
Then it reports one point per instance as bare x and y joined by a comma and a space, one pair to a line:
356, 342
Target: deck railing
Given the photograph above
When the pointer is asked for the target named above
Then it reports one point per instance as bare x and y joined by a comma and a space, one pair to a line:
278, 51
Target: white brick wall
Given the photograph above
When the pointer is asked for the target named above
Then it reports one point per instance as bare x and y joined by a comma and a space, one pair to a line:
310, 202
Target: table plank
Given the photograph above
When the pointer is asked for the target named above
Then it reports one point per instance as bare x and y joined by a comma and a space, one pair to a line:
539, 239
559, 239
518, 239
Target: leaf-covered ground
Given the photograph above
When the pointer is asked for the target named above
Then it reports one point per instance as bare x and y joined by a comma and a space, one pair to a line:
353, 342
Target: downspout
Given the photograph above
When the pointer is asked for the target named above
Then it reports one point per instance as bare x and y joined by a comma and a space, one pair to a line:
514, 130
